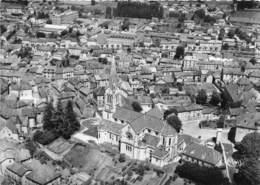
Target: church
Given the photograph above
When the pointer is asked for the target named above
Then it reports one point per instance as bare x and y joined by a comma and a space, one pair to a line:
139, 136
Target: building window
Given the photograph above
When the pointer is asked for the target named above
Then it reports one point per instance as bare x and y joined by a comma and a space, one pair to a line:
128, 148
111, 136
170, 141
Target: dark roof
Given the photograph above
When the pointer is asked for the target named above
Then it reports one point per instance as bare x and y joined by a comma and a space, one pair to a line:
126, 114
203, 153
147, 122
92, 131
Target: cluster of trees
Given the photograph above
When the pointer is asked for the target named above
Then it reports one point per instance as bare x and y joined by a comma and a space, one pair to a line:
40, 34
201, 175
136, 106
57, 122
221, 34
139, 10
201, 15
2, 29
202, 98
25, 52
241, 35
244, 4
179, 53
248, 151
42, 15
171, 116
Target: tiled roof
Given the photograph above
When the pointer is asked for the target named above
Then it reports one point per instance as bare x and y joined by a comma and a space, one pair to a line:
160, 153
203, 153
168, 130
111, 127
148, 122
41, 174
126, 114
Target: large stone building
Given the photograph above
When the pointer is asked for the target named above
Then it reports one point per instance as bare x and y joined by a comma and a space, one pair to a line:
65, 18
137, 135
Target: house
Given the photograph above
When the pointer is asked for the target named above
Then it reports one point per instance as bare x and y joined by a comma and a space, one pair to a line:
202, 155
232, 75
254, 76
58, 149
64, 73
17, 171
190, 113
8, 130
34, 173
99, 96
120, 40
23, 90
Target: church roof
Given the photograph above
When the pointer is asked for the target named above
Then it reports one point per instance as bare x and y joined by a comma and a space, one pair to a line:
126, 114
148, 122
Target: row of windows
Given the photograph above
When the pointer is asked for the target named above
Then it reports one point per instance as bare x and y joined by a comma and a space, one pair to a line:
112, 136
128, 148
169, 141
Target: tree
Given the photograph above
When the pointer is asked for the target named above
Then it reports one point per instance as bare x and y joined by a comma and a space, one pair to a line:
199, 13
232, 134
248, 150
221, 34
40, 35
179, 52
157, 42
201, 174
225, 46
201, 97
215, 98
251, 145
253, 60
128, 50
231, 34
125, 25
48, 116
2, 29
137, 107
249, 173
175, 122
71, 118
93, 2
31, 146
169, 112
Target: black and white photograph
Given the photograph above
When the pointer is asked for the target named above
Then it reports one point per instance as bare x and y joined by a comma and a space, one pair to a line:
130, 92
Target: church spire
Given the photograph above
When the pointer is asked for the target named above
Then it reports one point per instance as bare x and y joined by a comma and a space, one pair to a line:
113, 78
